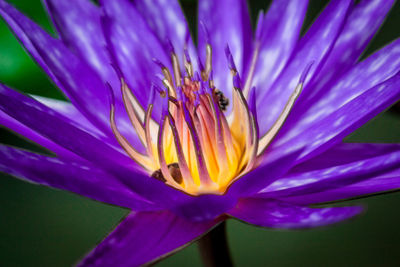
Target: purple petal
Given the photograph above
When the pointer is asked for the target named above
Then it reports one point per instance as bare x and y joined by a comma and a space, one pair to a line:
168, 22
78, 23
84, 87
279, 35
9, 14
228, 23
334, 127
362, 24
77, 119
340, 166
346, 153
277, 214
79, 82
69, 113
374, 70
145, 237
49, 124
74, 115
133, 46
384, 183
19, 128
320, 37
205, 207
269, 170
78, 177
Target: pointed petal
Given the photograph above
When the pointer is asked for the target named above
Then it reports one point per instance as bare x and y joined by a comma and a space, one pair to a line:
269, 170
50, 124
47, 123
320, 37
334, 127
78, 24
73, 114
168, 22
77, 119
374, 70
228, 23
79, 82
340, 166
65, 110
19, 128
84, 87
346, 153
381, 184
205, 207
145, 237
280, 32
363, 22
78, 177
133, 46
80, 121
9, 14
277, 214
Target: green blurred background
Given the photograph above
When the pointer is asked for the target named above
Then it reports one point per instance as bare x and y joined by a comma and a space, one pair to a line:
46, 227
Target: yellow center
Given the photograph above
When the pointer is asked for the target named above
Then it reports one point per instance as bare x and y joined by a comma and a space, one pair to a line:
195, 147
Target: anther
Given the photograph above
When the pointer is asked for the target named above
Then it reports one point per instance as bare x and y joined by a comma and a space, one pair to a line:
211, 80
208, 61
165, 71
187, 62
231, 62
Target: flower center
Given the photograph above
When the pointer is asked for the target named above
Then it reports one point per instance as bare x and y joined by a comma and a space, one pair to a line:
195, 147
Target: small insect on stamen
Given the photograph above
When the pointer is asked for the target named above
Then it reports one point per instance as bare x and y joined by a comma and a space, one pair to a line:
222, 101
173, 170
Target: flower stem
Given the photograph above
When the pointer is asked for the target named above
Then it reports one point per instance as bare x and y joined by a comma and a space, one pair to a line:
214, 248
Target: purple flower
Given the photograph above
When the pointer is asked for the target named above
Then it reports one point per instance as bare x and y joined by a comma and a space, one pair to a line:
246, 125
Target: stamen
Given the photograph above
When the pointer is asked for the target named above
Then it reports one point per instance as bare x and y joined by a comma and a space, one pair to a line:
243, 123
250, 75
195, 147
149, 146
205, 74
177, 69
256, 51
268, 137
188, 62
254, 131
231, 63
164, 70
141, 159
208, 62
170, 86
211, 80
185, 172
205, 179
160, 145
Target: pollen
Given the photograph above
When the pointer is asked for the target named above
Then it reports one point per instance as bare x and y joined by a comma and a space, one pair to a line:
196, 146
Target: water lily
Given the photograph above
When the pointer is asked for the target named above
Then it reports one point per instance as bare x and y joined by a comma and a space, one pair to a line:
246, 125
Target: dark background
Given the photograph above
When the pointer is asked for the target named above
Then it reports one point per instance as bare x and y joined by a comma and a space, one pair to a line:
46, 227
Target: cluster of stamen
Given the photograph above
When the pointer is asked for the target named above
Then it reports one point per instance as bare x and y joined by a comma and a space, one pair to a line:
195, 147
